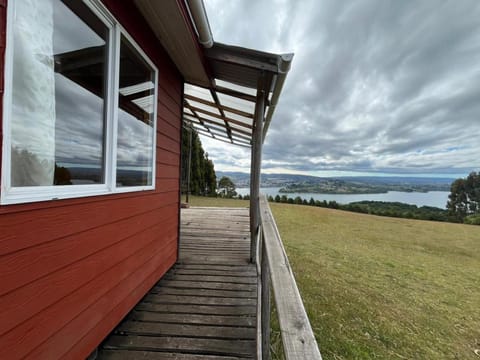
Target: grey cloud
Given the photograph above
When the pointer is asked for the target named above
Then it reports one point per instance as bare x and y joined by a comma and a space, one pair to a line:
375, 85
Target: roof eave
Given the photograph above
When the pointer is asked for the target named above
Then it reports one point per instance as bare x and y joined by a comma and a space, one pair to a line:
171, 22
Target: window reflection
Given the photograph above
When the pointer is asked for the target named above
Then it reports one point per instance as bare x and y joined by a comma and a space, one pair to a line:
57, 123
135, 119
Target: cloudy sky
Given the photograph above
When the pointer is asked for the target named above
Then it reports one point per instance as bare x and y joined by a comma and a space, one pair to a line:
376, 86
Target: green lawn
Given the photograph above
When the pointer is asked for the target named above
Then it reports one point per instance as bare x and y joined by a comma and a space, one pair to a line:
384, 288
215, 202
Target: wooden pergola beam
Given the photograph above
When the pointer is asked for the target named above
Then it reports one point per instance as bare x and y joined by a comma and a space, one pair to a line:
235, 93
195, 115
220, 128
236, 142
220, 124
219, 106
194, 110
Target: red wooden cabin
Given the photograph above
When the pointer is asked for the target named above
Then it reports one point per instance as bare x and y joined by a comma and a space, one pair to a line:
92, 107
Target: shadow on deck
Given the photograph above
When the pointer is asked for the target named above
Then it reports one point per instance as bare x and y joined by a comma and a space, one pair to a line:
205, 307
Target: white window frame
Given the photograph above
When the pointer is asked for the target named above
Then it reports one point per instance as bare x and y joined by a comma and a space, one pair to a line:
27, 194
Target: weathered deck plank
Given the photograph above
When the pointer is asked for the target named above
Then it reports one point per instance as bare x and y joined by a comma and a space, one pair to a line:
149, 355
202, 292
204, 308
198, 309
184, 319
239, 348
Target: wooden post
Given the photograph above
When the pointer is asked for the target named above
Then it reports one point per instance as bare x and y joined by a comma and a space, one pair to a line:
189, 163
255, 169
265, 279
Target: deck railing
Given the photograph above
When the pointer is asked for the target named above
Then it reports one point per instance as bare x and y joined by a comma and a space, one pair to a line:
275, 272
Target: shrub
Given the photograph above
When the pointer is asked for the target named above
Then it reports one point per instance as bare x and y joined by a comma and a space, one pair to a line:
472, 219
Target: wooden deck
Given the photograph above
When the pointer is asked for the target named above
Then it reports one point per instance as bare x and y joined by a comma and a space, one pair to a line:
206, 305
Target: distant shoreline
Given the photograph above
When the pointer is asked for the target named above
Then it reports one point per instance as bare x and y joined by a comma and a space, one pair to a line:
286, 191
340, 187
281, 191
431, 198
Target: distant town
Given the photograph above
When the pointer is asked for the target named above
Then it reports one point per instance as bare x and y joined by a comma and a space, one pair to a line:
289, 183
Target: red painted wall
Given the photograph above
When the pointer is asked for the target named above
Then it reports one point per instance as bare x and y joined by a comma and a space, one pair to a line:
71, 269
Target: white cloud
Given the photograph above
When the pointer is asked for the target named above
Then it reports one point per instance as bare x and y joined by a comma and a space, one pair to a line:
375, 85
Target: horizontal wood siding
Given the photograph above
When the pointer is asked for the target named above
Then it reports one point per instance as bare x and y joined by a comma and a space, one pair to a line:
70, 270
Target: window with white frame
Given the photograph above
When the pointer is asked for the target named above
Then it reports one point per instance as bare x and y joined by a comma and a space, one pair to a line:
79, 104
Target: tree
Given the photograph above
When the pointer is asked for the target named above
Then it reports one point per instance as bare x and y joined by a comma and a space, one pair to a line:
226, 187
464, 198
62, 176
203, 180
210, 179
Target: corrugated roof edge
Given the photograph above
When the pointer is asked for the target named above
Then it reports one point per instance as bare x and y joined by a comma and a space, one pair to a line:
286, 61
283, 64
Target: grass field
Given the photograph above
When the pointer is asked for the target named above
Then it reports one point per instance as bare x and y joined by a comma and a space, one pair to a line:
213, 201
384, 288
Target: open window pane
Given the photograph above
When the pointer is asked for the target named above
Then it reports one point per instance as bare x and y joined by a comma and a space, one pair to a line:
58, 94
135, 118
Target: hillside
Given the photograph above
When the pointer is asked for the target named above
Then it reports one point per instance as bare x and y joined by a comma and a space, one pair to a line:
385, 288
291, 183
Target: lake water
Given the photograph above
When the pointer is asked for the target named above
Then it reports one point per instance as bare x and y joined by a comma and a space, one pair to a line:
433, 198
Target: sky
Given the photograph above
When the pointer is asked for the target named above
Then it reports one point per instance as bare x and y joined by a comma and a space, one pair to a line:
378, 87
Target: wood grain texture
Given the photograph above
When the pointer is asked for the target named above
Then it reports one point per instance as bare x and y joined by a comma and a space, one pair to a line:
192, 319
239, 348
197, 309
155, 328
136, 355
202, 307
297, 335
71, 269
255, 169
163, 290
215, 236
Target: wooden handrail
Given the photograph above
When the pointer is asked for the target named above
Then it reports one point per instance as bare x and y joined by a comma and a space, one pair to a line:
297, 335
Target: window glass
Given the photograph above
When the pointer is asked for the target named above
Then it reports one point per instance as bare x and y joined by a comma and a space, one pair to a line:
58, 94
61, 127
135, 118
